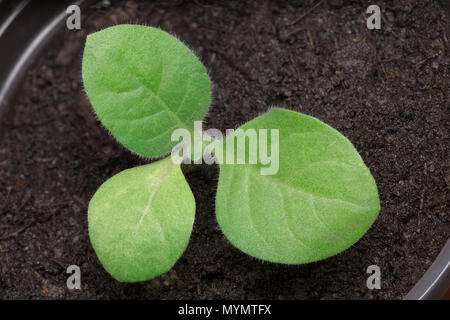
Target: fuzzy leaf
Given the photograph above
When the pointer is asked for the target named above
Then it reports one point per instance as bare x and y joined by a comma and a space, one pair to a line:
321, 201
140, 221
143, 83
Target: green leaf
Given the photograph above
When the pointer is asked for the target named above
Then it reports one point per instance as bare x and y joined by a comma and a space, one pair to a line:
143, 83
321, 201
140, 221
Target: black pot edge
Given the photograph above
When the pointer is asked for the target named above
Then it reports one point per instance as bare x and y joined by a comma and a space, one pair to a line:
13, 65
23, 40
436, 281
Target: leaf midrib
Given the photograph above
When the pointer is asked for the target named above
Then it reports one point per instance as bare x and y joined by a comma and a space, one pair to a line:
153, 94
147, 208
253, 171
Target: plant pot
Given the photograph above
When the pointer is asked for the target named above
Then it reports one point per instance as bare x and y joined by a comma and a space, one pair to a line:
24, 33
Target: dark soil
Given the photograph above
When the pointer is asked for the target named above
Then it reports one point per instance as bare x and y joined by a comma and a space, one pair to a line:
386, 90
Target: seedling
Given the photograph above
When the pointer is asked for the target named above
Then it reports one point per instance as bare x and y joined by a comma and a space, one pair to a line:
144, 83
